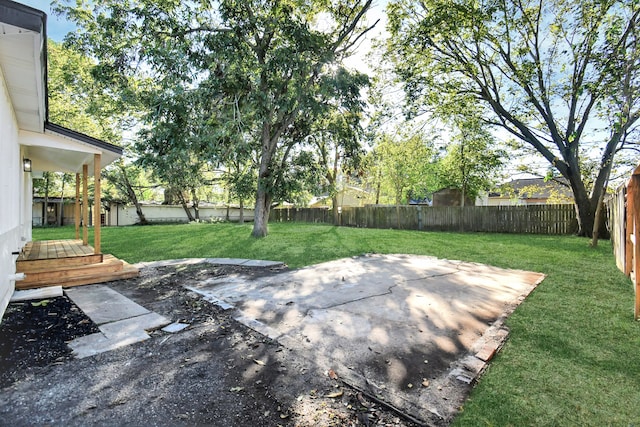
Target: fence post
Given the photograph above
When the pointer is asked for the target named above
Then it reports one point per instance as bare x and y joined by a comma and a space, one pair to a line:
419, 217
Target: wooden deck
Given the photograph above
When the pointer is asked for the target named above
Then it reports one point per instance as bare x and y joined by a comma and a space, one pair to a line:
68, 263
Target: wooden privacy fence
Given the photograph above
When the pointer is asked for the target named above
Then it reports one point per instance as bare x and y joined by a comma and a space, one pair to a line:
534, 219
624, 211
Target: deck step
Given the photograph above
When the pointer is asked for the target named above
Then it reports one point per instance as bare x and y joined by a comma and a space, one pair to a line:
54, 249
30, 266
72, 275
128, 272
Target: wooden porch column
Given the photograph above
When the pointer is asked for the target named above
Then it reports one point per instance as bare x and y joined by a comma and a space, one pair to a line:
629, 233
634, 206
85, 205
76, 208
96, 204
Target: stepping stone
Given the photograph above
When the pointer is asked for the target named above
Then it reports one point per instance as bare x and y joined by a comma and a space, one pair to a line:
117, 334
121, 321
93, 344
103, 305
175, 327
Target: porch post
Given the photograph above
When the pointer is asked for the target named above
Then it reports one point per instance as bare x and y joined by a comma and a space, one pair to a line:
85, 205
76, 208
96, 204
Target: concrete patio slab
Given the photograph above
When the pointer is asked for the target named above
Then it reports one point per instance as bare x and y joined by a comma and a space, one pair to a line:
262, 263
387, 323
97, 343
146, 322
121, 321
227, 261
117, 334
102, 304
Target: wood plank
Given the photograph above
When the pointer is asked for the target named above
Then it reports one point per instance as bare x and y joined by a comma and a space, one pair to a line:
110, 264
60, 263
69, 248
76, 247
35, 251
51, 252
58, 245
125, 273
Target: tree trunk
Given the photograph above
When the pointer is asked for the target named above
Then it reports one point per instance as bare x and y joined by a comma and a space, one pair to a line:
263, 194
334, 209
398, 200
133, 197
183, 203
241, 217
261, 219
196, 204
585, 212
596, 225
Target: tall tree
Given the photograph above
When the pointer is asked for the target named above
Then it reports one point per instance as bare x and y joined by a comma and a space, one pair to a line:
277, 60
553, 73
121, 177
337, 136
77, 100
173, 142
406, 166
472, 161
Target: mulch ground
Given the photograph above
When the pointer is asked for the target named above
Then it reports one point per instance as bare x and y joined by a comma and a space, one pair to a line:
35, 333
216, 372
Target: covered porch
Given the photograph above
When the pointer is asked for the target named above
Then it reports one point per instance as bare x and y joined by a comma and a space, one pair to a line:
68, 263
75, 261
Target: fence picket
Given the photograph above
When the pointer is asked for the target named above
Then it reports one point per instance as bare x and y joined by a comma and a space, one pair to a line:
532, 219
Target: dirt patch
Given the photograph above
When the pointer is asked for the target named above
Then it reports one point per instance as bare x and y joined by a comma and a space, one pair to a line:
215, 372
35, 333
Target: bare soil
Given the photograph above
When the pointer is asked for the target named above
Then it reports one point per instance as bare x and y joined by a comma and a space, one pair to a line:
216, 372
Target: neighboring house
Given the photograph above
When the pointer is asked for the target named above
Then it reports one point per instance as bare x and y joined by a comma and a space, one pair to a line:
51, 214
349, 196
29, 143
528, 191
450, 197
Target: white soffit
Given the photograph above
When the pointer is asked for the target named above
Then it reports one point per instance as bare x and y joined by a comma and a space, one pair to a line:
20, 58
51, 152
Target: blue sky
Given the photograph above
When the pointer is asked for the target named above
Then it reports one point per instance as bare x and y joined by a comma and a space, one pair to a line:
57, 27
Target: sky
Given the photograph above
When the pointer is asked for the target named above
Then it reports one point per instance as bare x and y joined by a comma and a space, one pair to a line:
57, 27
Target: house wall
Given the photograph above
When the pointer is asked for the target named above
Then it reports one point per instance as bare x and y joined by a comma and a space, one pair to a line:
126, 215
13, 182
68, 213
450, 197
506, 201
351, 198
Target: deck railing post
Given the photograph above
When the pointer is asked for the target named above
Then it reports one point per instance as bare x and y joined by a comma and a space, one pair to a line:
97, 202
76, 209
85, 205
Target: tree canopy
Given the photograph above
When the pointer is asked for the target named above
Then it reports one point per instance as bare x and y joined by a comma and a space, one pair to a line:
260, 67
560, 76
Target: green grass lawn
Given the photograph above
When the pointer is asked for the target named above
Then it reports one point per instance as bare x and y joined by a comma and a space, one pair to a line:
572, 357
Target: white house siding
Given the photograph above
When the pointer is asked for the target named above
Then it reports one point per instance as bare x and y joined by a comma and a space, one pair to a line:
126, 215
12, 184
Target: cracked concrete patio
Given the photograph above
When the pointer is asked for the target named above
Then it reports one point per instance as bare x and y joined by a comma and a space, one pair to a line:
412, 331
